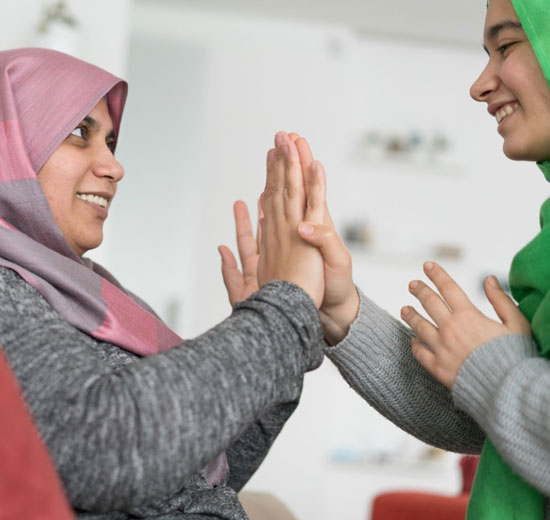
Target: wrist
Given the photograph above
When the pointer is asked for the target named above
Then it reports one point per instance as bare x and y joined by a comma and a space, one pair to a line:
337, 319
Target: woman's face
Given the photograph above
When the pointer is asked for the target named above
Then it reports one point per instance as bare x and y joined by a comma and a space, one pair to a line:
514, 87
80, 180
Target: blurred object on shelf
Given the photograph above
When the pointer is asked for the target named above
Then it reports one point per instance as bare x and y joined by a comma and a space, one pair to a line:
357, 233
413, 147
58, 29
406, 456
448, 252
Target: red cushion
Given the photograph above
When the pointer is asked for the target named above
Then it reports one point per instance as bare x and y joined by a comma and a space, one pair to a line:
29, 485
419, 506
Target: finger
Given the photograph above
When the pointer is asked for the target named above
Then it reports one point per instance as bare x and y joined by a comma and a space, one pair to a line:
275, 177
423, 355
280, 138
311, 176
315, 192
451, 292
505, 307
246, 242
423, 329
258, 227
304, 150
293, 136
231, 275
431, 301
294, 193
335, 254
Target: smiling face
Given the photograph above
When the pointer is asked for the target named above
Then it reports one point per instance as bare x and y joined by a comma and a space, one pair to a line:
80, 179
514, 87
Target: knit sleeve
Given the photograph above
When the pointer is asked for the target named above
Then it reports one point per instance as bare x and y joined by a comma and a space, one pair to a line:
376, 360
505, 387
123, 438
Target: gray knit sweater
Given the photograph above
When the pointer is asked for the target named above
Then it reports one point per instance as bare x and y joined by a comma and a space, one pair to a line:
130, 435
502, 390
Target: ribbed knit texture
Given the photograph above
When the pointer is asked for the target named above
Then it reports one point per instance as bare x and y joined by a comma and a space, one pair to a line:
500, 391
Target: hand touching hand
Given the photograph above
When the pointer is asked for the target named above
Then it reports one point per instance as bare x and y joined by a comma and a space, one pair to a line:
283, 255
240, 285
459, 327
341, 301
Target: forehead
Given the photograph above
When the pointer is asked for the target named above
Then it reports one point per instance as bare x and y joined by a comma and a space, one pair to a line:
499, 11
101, 113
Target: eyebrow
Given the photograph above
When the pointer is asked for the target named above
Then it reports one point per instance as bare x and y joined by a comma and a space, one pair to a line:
496, 29
94, 125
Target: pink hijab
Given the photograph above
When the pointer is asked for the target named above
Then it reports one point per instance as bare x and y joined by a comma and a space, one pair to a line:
44, 95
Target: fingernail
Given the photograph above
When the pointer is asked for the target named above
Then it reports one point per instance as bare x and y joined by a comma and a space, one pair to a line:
279, 139
314, 166
413, 285
305, 229
493, 282
428, 266
405, 311
284, 148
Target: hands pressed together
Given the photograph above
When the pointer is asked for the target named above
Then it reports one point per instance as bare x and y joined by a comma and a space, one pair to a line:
296, 241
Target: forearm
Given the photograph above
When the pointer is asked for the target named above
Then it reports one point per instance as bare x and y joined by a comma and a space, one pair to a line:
376, 360
122, 438
504, 386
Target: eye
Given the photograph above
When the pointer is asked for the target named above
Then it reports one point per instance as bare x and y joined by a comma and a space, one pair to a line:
503, 48
79, 131
111, 144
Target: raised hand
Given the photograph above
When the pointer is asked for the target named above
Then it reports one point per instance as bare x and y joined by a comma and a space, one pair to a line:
341, 301
241, 284
283, 255
458, 327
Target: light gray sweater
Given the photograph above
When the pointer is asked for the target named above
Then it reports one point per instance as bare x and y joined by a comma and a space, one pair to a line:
502, 390
129, 436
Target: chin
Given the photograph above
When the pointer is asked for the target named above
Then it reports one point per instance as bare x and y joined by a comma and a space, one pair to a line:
516, 150
518, 153
88, 245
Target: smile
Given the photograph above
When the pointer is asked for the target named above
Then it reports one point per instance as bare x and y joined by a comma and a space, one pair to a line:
507, 110
96, 199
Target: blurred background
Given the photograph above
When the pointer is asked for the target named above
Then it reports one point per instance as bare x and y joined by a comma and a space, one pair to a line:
415, 172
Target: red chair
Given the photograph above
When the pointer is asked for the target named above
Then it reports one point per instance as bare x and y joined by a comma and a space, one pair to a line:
29, 486
409, 505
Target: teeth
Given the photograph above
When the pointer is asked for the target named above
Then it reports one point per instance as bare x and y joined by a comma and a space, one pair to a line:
96, 199
505, 112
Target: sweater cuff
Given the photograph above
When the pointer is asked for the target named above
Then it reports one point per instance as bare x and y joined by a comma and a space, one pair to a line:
485, 370
373, 326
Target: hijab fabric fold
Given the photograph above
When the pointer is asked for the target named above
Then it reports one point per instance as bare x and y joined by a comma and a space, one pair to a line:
498, 491
44, 95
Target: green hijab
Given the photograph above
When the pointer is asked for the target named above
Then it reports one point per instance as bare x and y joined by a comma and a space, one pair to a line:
498, 492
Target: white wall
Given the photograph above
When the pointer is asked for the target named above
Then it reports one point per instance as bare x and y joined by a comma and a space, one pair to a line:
207, 94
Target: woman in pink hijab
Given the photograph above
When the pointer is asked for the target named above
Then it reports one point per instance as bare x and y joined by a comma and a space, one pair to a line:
138, 422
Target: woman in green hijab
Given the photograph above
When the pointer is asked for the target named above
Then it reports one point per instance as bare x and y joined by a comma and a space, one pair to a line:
491, 392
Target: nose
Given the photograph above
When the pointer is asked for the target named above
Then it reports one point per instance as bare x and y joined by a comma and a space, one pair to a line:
107, 166
487, 83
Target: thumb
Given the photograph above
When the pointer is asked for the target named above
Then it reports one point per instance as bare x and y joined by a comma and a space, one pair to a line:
505, 307
334, 252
